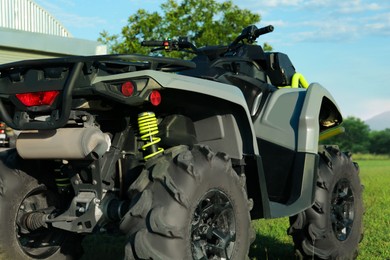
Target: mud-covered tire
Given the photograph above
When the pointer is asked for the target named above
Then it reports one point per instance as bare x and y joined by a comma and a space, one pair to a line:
333, 227
21, 193
190, 204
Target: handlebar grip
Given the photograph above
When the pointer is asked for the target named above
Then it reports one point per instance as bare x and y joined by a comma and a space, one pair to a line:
264, 30
152, 43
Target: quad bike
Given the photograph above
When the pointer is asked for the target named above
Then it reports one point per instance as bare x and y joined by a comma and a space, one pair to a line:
180, 155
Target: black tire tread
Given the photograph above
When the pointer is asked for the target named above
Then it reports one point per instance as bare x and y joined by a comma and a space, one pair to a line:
152, 235
309, 238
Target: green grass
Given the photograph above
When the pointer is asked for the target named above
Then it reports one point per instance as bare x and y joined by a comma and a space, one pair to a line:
373, 157
272, 241
375, 175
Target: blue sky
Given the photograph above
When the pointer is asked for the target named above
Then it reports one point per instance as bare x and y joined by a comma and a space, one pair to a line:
342, 44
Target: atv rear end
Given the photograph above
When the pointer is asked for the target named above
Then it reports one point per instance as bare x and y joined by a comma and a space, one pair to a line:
178, 155
92, 133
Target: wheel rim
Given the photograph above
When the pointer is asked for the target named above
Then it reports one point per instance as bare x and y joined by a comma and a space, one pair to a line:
42, 242
213, 229
342, 209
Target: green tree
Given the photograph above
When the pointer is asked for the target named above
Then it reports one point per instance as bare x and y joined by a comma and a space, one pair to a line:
206, 22
356, 136
380, 142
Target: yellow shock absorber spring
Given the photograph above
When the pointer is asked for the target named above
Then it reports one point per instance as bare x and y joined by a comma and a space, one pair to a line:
148, 128
62, 181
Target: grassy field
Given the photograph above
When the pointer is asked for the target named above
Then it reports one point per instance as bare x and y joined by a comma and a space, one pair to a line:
272, 241
375, 176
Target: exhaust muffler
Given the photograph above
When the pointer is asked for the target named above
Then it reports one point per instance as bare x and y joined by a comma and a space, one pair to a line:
63, 143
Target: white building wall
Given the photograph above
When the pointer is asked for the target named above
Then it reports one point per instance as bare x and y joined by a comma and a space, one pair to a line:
27, 31
26, 15
11, 55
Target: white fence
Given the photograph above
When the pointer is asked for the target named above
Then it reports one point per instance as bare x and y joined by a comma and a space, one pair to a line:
28, 16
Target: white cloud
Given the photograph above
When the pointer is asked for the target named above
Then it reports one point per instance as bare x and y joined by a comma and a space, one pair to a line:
316, 4
378, 24
277, 23
356, 6
263, 6
326, 20
332, 30
345, 6
278, 3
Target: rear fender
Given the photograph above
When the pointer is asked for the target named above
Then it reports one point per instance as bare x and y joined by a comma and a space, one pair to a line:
215, 99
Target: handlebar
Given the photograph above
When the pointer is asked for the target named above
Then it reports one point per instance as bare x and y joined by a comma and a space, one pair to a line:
152, 43
264, 30
169, 45
250, 33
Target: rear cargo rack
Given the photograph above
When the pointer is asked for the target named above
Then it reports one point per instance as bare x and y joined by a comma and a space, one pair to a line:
64, 75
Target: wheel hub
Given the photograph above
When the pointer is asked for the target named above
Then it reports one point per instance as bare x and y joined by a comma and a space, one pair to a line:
213, 229
37, 242
342, 209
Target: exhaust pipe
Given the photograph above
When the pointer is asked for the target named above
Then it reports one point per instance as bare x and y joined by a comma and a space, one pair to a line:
63, 143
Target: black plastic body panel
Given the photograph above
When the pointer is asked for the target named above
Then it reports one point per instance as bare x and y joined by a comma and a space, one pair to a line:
280, 69
278, 164
283, 169
256, 187
177, 130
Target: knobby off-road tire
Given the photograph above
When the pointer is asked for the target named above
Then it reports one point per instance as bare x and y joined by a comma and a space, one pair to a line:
190, 204
21, 193
333, 227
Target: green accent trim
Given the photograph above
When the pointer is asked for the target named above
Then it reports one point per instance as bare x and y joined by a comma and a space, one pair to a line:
61, 179
331, 132
297, 80
62, 182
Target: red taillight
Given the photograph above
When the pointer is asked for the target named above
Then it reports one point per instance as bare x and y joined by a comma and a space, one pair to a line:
155, 98
166, 45
38, 98
127, 89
